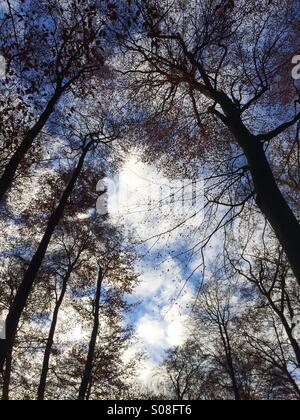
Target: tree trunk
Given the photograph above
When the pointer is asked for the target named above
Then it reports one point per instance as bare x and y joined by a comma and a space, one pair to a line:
269, 197
229, 359
14, 163
286, 326
293, 382
87, 374
294, 343
274, 206
235, 387
6, 377
50, 340
25, 288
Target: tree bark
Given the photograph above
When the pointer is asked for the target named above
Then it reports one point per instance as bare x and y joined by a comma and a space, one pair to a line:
293, 382
87, 374
293, 342
229, 359
14, 163
25, 288
269, 197
50, 340
6, 377
288, 329
274, 206
235, 386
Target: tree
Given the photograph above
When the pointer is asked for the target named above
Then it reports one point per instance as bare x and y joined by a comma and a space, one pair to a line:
54, 47
236, 349
95, 368
224, 63
274, 282
77, 245
185, 372
65, 279
24, 290
87, 374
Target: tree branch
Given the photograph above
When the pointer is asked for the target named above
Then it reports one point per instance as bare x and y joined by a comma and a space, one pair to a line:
278, 130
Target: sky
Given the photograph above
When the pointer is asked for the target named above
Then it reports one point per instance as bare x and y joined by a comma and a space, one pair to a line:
141, 198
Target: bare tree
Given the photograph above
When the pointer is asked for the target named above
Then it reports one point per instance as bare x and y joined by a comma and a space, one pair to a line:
224, 64
47, 60
15, 312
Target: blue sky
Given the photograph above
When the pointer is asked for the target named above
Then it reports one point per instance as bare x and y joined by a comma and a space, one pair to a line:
167, 277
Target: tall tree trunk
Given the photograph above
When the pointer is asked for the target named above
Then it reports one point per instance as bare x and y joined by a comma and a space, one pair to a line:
25, 288
6, 377
274, 206
293, 382
14, 163
232, 374
87, 374
50, 340
294, 343
229, 360
288, 329
269, 197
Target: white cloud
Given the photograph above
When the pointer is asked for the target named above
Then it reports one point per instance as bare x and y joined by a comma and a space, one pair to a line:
160, 323
152, 331
151, 283
162, 326
149, 203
